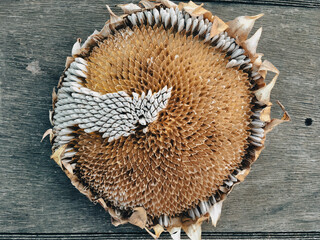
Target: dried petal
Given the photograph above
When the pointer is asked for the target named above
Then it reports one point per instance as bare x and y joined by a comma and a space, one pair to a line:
251, 44
263, 94
215, 212
129, 8
175, 233
218, 26
241, 26
193, 231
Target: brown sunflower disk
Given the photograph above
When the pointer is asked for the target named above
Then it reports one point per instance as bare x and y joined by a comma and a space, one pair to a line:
161, 113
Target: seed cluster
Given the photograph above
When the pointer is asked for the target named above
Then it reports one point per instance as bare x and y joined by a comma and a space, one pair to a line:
112, 114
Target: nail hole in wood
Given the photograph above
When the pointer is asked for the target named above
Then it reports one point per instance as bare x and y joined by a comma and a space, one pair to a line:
308, 121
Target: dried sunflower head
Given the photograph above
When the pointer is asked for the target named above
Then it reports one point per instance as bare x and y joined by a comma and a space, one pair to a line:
161, 113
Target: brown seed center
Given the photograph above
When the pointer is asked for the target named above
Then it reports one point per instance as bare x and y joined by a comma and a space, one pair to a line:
196, 141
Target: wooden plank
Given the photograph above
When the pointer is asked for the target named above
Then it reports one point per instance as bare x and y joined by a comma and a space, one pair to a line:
129, 236
288, 3
281, 193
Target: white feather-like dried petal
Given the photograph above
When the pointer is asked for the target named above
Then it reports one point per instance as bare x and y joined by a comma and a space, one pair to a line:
193, 231
215, 212
175, 233
263, 94
251, 44
241, 26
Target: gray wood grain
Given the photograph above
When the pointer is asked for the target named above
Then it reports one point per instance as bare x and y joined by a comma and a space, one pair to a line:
291, 3
164, 236
281, 194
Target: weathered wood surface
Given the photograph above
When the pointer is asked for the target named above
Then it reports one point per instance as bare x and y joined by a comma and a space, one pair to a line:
292, 3
281, 194
131, 236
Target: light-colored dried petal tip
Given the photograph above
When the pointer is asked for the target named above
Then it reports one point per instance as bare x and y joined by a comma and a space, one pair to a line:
158, 229
215, 212
139, 217
133, 114
175, 233
251, 44
149, 5
195, 10
218, 26
56, 156
241, 26
48, 132
113, 17
274, 122
193, 231
129, 8
263, 94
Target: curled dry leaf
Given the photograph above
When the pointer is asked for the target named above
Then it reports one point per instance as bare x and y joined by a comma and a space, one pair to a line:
139, 217
158, 229
274, 122
265, 114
